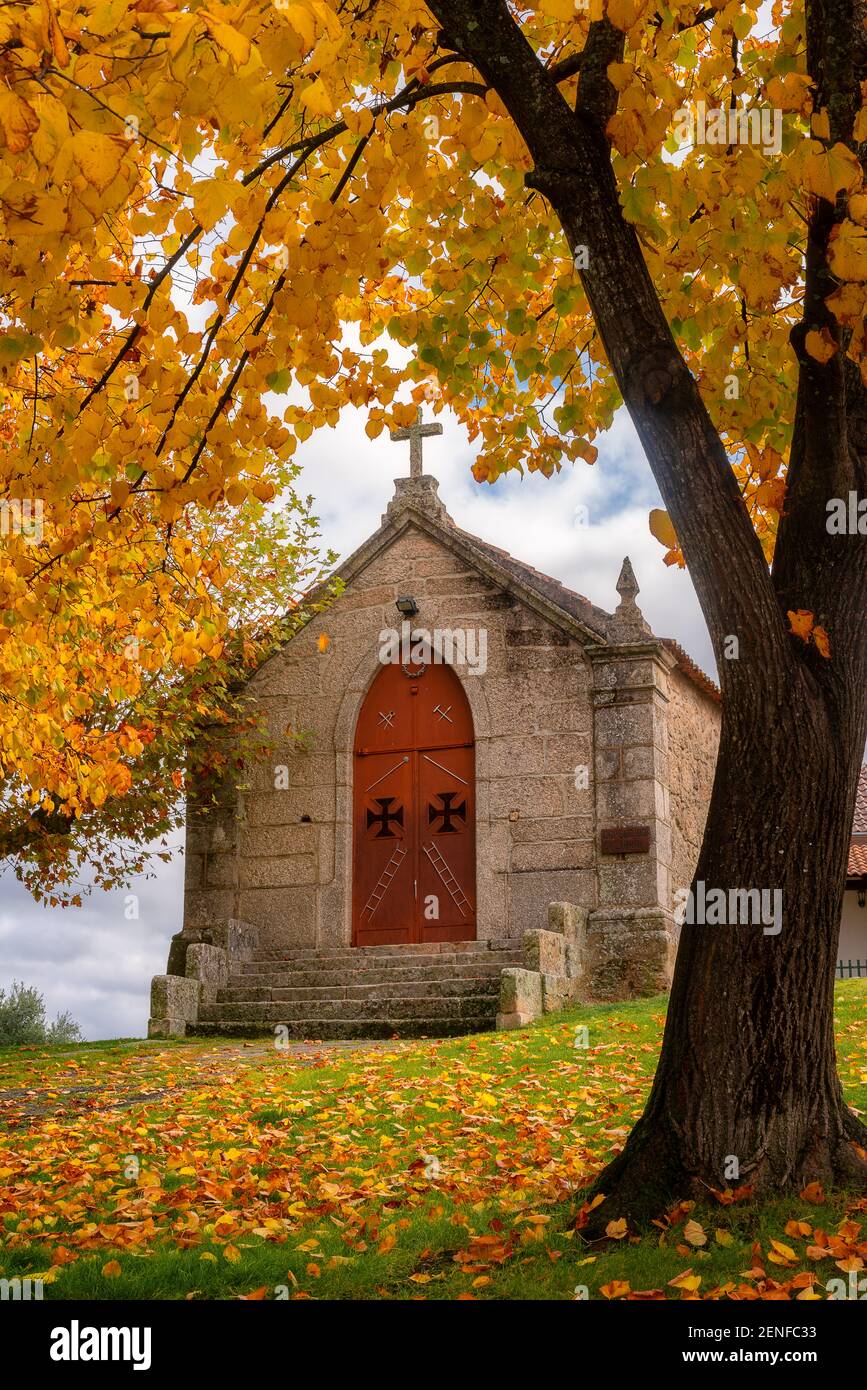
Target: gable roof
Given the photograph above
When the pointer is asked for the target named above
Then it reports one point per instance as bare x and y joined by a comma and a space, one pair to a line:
417, 504
567, 600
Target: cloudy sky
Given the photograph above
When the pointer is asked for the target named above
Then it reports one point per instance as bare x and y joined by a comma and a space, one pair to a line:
94, 962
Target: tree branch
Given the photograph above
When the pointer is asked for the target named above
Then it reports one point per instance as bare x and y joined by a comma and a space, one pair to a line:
573, 171
828, 458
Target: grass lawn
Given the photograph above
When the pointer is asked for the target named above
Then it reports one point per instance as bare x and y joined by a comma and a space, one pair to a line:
218, 1169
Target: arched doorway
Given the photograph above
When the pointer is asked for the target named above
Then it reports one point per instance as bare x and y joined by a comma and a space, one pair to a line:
414, 810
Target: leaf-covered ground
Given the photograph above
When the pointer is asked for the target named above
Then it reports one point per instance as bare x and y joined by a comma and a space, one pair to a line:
426, 1169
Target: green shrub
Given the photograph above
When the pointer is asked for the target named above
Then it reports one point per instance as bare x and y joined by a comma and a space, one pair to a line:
23, 1021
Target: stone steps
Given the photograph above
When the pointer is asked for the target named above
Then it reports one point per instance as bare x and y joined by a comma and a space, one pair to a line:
425, 990
326, 1030
406, 987
481, 948
294, 1011
306, 979
364, 959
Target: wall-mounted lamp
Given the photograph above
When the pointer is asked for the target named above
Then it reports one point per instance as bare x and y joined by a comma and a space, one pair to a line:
406, 606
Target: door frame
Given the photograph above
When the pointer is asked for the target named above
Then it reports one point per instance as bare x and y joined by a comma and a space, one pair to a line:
334, 906
416, 936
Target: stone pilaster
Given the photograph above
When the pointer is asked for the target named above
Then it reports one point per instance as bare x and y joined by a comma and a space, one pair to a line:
631, 934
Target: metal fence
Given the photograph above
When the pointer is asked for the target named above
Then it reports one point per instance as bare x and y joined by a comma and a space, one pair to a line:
847, 969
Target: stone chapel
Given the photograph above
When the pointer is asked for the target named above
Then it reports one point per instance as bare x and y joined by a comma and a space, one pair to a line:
499, 790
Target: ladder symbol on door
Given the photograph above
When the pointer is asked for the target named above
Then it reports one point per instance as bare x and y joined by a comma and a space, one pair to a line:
443, 871
383, 883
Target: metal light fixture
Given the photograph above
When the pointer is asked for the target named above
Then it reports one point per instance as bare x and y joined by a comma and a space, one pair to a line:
406, 606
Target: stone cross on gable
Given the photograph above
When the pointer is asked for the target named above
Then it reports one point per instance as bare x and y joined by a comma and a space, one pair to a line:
415, 434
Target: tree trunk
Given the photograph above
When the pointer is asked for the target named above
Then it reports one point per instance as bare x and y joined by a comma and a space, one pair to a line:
746, 1092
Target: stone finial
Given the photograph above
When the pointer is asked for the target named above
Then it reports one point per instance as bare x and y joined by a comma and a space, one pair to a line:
420, 493
628, 623
627, 584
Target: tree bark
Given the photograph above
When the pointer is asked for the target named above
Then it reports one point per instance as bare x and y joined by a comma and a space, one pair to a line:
746, 1091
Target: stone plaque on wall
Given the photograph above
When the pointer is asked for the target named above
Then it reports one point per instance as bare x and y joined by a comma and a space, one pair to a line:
625, 839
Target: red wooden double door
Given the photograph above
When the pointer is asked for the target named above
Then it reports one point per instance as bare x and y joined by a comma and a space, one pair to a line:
414, 841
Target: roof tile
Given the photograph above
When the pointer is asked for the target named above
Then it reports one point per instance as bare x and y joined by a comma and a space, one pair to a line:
860, 824
857, 861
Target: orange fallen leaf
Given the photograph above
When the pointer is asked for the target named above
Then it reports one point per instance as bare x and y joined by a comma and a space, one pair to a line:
814, 1193
618, 1288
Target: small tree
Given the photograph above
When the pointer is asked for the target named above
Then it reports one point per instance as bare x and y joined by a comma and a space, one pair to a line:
23, 1021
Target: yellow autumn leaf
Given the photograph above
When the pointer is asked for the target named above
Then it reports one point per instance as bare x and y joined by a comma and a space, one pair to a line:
820, 344
212, 199
620, 75
791, 92
231, 1253
98, 157
825, 173
316, 99
301, 20
623, 14
182, 26
820, 125
59, 50
858, 208
785, 1250
111, 1270
53, 128
236, 494
359, 122
230, 40
616, 1229
723, 1237
18, 121
661, 527
847, 251
558, 9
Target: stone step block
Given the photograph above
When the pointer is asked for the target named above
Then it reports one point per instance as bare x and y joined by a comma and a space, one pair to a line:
355, 961
325, 1030
485, 985
306, 979
274, 1012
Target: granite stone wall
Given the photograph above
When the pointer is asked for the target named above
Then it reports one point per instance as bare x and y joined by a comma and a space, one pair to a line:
693, 740
279, 857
